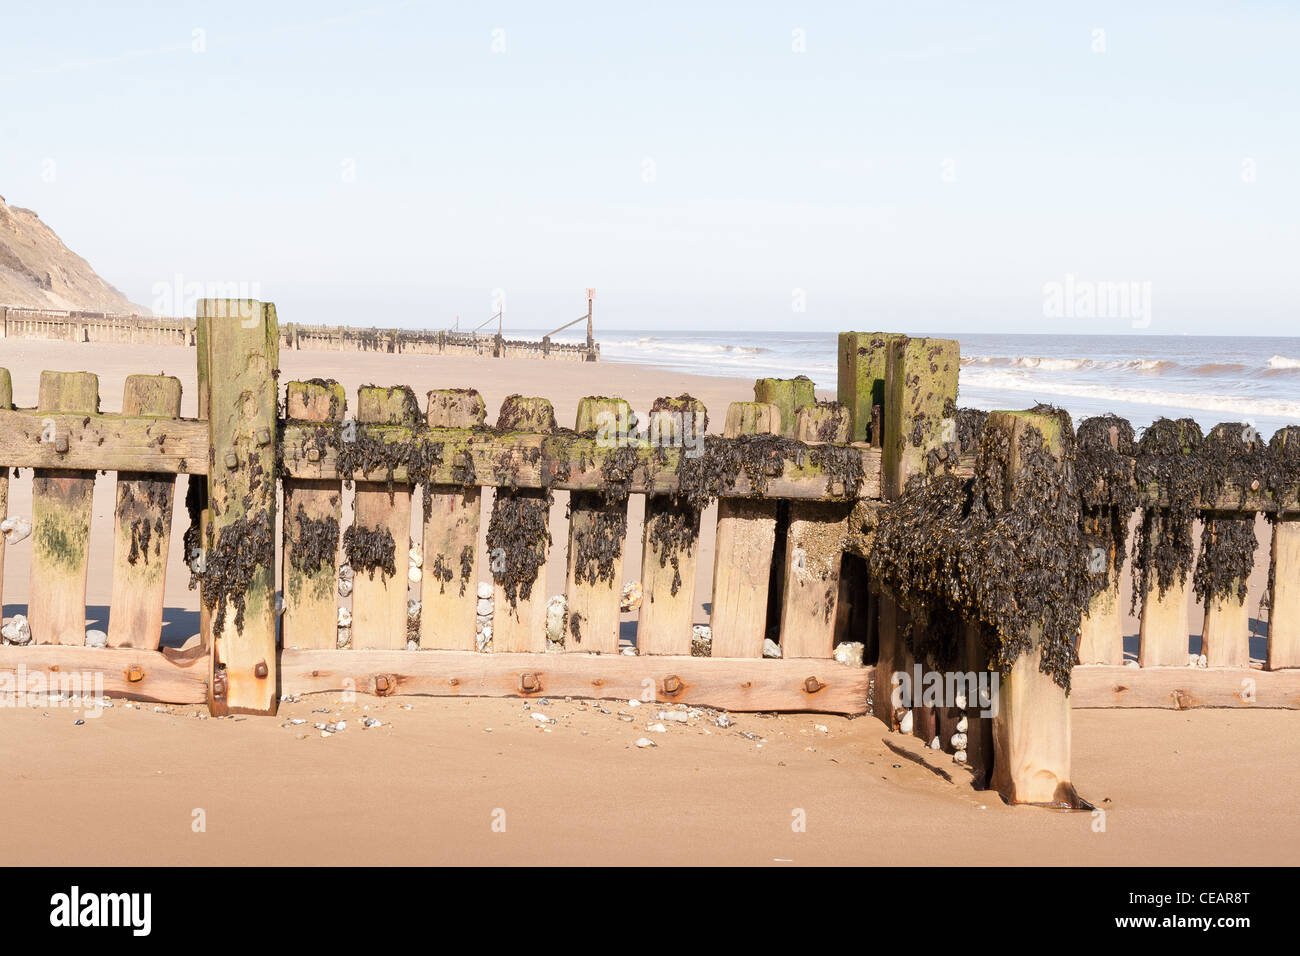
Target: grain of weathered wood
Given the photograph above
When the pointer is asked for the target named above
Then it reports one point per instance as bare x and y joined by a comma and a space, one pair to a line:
788, 395
520, 625
861, 379
312, 509
920, 396
1284, 610
243, 358
737, 685
1163, 635
1101, 632
134, 673
1225, 629
743, 545
61, 512
103, 442
382, 518
6, 401
1182, 688
597, 529
669, 552
449, 587
142, 526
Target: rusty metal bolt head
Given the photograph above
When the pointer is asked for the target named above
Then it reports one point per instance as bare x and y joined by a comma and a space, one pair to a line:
383, 685
135, 673
812, 685
529, 683
672, 684
263, 436
313, 454
260, 670
232, 460
219, 685
61, 444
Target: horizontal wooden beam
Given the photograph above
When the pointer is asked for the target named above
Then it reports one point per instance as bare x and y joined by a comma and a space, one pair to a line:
170, 677
1182, 688
34, 439
726, 683
564, 461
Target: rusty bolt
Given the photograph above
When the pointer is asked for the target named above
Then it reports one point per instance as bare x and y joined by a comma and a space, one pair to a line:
812, 685
219, 685
61, 444
232, 460
383, 686
263, 436
672, 684
135, 673
313, 454
260, 670
529, 683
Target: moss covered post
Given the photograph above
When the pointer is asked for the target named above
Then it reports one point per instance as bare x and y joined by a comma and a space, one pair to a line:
61, 509
788, 395
243, 349
1284, 569
1031, 727
313, 508
861, 381
143, 525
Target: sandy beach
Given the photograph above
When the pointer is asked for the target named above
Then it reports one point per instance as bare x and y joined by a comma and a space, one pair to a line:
1191, 787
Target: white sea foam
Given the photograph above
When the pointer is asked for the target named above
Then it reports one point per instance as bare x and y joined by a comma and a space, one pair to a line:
1281, 361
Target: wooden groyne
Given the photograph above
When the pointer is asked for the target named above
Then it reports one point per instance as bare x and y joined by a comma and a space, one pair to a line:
944, 569
99, 327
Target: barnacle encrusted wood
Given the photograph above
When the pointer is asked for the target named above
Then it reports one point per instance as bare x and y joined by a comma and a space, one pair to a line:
920, 408
143, 526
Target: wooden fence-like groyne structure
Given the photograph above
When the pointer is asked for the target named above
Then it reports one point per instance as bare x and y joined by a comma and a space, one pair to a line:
101, 327
885, 535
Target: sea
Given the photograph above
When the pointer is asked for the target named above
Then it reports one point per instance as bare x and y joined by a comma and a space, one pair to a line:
1212, 379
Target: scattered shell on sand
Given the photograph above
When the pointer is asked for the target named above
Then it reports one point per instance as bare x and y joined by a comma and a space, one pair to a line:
645, 742
724, 720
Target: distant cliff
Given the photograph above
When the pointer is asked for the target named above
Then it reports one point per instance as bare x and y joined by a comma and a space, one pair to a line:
37, 269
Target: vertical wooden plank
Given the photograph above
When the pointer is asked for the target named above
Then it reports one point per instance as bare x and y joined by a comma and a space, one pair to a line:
1101, 631
1031, 729
61, 510
920, 400
6, 402
518, 540
744, 543
597, 531
143, 525
379, 540
1284, 568
313, 509
198, 484
1225, 630
788, 395
814, 548
239, 568
861, 380
449, 587
670, 546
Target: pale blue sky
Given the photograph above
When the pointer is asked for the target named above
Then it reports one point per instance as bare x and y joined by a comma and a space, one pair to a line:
773, 170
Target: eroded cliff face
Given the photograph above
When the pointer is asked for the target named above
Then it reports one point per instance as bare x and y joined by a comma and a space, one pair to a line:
37, 269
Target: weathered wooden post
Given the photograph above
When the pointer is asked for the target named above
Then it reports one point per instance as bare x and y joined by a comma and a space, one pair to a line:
61, 510
1031, 729
449, 587
1284, 566
744, 544
313, 509
1101, 632
143, 525
861, 381
239, 567
597, 527
788, 395
6, 402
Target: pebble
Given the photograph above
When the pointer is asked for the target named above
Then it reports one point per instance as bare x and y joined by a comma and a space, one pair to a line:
542, 718
633, 702
1202, 661
631, 599
934, 744
369, 722
680, 716
850, 652
959, 757
645, 742
15, 529
345, 588
905, 725
16, 630
701, 640
412, 645
658, 728
345, 617
958, 741
417, 557
78, 722
484, 607
724, 720
628, 652
822, 727
96, 638
771, 649
413, 608
345, 572
1130, 663
557, 609
484, 591
414, 575
960, 701
962, 724
345, 636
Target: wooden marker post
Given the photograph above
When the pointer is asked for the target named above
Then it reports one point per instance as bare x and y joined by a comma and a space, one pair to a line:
381, 520
861, 381
670, 548
313, 509
6, 402
1284, 571
243, 346
597, 529
143, 525
449, 588
1225, 631
61, 510
744, 544
813, 549
1101, 632
1163, 636
788, 395
1031, 729
520, 625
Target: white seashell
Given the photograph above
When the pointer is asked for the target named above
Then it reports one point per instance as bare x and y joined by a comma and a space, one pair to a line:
345, 617
962, 724
15, 529
484, 607
345, 587
1130, 663
935, 745
959, 756
414, 575
771, 649
680, 716
658, 728
484, 590
644, 742
905, 725
542, 718
417, 557
368, 722
345, 572
724, 720
96, 639
633, 702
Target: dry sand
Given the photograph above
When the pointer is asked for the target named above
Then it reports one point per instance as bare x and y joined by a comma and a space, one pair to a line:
1178, 787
